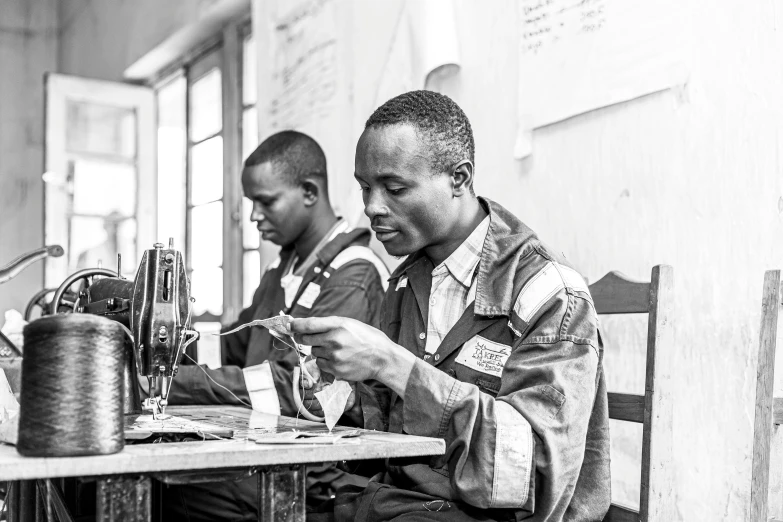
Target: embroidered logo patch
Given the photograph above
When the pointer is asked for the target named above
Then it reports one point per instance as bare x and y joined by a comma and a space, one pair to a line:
484, 355
309, 295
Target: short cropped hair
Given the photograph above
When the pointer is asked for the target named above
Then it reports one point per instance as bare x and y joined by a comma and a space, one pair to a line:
298, 153
442, 125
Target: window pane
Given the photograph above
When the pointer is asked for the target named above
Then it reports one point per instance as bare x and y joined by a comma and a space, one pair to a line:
208, 345
249, 92
87, 234
96, 241
207, 289
172, 145
207, 171
251, 275
206, 106
206, 236
126, 245
249, 132
102, 188
101, 129
251, 235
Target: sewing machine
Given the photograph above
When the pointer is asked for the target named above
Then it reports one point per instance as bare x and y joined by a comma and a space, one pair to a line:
155, 309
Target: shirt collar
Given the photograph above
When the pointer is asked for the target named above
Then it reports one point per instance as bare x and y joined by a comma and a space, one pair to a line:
462, 262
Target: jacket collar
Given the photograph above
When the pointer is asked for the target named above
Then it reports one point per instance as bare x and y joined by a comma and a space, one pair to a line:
500, 258
327, 253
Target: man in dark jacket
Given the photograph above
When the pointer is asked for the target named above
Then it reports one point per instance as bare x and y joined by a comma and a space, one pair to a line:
488, 340
324, 269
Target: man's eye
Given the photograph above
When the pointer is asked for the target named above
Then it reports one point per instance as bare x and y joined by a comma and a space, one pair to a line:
395, 191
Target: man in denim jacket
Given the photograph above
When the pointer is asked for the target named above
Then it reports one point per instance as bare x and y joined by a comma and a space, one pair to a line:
488, 340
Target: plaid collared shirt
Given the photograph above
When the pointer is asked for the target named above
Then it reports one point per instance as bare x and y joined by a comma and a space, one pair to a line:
454, 287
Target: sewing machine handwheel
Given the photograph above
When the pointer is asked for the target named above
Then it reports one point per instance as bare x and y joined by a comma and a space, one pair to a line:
39, 300
88, 274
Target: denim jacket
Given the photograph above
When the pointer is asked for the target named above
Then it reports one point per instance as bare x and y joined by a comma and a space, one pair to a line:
516, 388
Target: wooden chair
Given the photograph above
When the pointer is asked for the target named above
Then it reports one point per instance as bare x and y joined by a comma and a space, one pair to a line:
617, 294
767, 435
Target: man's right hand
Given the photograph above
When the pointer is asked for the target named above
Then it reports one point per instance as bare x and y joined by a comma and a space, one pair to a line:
309, 400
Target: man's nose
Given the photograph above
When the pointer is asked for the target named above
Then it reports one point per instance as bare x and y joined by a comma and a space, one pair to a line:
375, 205
256, 215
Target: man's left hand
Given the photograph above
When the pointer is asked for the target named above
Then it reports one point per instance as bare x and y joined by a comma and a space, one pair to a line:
354, 351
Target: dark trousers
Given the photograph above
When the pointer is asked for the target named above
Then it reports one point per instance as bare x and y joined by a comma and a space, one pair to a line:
380, 502
237, 501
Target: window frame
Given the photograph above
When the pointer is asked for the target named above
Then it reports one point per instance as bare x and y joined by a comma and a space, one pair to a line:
228, 46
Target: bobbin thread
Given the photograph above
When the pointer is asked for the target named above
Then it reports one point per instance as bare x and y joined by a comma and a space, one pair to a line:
72, 387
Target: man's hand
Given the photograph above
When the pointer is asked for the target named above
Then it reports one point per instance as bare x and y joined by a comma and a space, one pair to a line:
354, 351
309, 400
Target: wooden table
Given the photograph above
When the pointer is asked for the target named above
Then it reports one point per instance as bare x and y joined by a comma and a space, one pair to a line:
124, 479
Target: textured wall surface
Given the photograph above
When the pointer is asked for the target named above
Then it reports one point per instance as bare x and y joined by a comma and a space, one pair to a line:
28, 48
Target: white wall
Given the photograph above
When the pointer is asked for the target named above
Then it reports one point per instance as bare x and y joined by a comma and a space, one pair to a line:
28, 48
691, 178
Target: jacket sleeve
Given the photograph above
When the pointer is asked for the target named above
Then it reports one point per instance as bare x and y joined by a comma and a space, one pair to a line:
192, 384
501, 450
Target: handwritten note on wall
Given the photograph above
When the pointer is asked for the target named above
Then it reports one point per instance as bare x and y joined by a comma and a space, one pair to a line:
304, 74
304, 79
580, 55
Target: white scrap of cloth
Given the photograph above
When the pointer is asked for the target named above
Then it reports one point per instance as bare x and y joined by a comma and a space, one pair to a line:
9, 412
333, 399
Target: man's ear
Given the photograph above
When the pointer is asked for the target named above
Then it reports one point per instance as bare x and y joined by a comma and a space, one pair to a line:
311, 192
462, 178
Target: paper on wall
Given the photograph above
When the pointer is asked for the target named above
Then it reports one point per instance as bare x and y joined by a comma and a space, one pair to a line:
424, 54
304, 59
424, 50
580, 55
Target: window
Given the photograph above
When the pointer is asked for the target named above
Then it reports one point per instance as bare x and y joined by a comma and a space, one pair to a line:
99, 161
206, 127
251, 257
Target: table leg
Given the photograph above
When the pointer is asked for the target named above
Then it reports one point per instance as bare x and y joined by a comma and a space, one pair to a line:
281, 495
123, 498
21, 501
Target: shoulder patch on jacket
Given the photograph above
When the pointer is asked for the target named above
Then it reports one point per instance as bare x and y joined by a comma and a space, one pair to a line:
357, 252
543, 286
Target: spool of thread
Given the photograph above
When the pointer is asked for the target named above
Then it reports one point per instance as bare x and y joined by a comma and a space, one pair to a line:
72, 387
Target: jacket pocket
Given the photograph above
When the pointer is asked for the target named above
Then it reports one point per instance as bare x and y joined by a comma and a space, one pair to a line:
486, 383
490, 385
552, 399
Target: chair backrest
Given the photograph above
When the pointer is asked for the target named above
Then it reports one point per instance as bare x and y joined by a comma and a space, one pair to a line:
769, 409
618, 294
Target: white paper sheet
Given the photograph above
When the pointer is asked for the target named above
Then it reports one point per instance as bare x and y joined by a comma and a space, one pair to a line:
333, 399
424, 51
304, 73
580, 55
